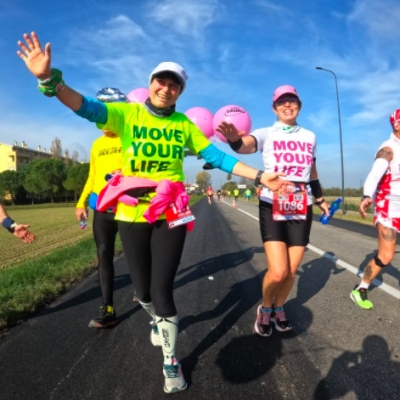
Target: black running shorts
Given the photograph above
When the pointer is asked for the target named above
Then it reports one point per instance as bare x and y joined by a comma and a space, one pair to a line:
293, 233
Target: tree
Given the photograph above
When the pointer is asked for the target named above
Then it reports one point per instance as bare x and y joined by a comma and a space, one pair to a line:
56, 148
203, 179
45, 177
11, 182
229, 177
76, 178
229, 186
248, 182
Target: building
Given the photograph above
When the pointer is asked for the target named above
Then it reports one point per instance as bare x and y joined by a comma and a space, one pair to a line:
15, 157
191, 187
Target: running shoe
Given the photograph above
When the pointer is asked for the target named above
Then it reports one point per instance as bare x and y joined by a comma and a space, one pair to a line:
154, 334
106, 318
282, 324
360, 297
263, 324
174, 379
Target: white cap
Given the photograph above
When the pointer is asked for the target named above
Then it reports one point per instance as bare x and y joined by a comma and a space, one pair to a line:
169, 66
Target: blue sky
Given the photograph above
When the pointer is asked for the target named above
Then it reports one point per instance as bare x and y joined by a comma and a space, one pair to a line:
235, 52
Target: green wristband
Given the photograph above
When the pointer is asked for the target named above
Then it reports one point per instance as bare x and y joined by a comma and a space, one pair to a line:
53, 85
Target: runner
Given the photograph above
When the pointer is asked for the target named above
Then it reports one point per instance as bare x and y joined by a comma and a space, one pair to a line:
236, 194
229, 194
210, 194
153, 137
258, 192
247, 194
285, 221
219, 194
382, 188
18, 230
105, 159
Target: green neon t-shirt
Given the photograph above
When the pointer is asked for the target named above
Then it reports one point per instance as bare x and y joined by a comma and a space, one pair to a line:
152, 147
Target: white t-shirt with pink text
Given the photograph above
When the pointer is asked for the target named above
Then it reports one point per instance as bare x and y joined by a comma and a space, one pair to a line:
290, 151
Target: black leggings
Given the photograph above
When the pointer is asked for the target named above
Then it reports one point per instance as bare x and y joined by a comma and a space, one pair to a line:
105, 229
153, 253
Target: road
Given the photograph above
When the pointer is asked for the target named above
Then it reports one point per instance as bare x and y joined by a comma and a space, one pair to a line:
336, 351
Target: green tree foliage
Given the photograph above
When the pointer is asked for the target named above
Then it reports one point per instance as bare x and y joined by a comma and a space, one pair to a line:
229, 177
203, 179
45, 177
229, 186
348, 192
11, 182
76, 178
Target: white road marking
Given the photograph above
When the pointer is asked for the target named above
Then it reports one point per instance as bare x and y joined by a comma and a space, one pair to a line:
385, 287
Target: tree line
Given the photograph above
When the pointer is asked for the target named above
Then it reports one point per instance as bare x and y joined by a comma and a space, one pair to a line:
41, 180
204, 179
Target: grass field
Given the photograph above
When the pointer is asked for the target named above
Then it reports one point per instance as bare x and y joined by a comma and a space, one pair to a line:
53, 227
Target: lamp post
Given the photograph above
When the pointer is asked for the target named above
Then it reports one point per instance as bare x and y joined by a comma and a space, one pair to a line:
340, 133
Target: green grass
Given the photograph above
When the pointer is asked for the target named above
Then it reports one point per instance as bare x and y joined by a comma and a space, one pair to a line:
34, 283
39, 277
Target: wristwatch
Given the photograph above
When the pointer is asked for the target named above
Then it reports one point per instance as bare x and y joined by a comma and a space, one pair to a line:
258, 178
11, 228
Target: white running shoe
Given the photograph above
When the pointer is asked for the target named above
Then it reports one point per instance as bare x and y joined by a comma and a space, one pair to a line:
154, 335
174, 379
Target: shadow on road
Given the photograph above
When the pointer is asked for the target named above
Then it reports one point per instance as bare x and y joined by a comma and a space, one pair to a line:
213, 265
242, 297
369, 373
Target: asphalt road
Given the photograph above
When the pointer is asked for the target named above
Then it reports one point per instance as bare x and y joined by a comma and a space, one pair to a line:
336, 351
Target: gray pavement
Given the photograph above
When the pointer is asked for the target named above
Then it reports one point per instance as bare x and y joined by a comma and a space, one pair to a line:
336, 351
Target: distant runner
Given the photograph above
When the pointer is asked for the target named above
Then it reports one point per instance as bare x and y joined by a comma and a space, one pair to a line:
210, 194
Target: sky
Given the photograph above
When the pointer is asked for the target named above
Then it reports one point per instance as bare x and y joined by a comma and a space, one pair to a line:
234, 52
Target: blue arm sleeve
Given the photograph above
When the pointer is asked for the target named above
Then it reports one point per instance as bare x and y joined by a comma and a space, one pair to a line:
93, 110
218, 159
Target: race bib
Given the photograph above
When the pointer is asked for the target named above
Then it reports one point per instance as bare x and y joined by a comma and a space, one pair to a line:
175, 218
290, 206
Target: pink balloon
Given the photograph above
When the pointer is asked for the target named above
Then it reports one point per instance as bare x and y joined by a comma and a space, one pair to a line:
138, 95
203, 119
235, 115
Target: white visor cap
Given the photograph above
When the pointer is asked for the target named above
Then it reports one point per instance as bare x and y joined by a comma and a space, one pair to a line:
176, 69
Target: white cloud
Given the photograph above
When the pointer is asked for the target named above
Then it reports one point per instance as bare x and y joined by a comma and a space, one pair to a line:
322, 118
271, 7
380, 18
189, 18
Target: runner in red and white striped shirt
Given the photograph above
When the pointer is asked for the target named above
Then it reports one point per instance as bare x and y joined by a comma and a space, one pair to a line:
382, 187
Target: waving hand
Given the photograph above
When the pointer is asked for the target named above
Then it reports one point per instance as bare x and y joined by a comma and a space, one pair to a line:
37, 61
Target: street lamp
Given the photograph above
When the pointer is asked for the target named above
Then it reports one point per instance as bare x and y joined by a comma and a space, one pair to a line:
340, 133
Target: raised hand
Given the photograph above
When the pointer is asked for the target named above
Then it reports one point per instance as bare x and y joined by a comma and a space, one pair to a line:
229, 131
37, 61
